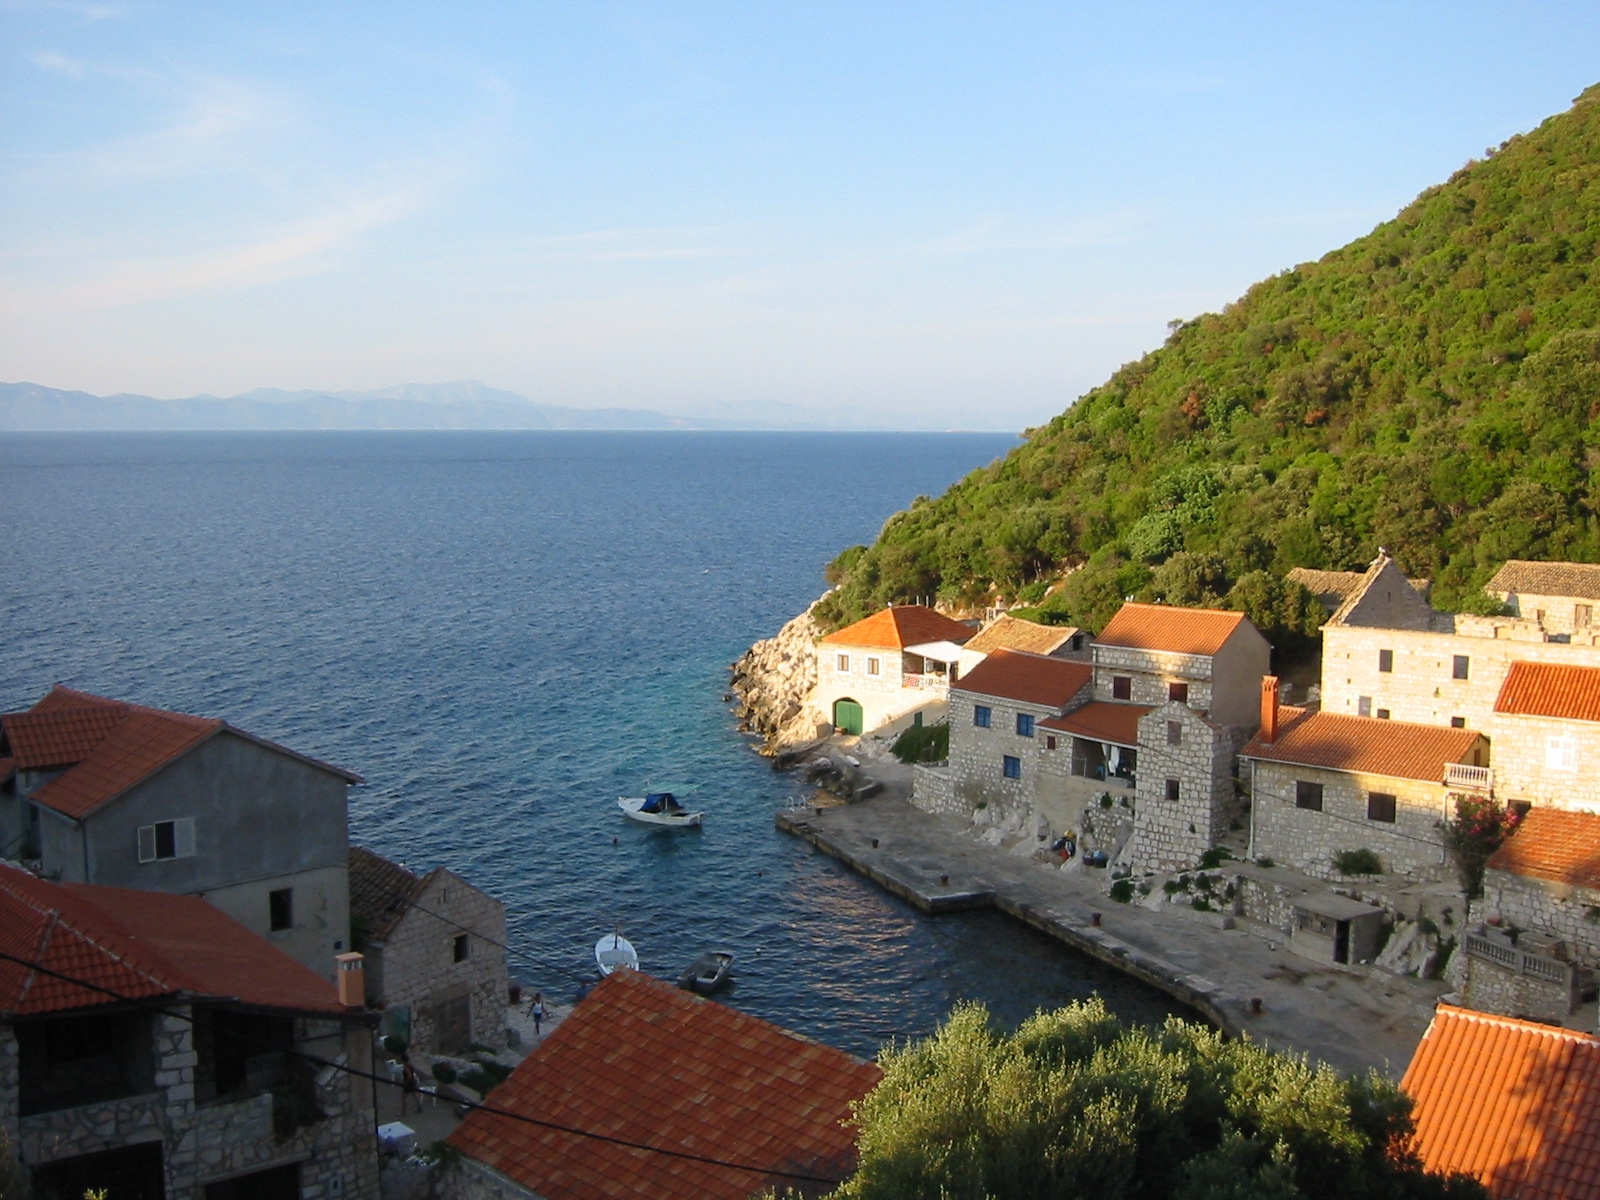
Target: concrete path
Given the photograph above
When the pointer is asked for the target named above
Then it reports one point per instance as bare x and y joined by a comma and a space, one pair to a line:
1351, 1019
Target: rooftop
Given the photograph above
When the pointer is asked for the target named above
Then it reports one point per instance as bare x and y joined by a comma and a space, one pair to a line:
1028, 678
1367, 745
642, 1061
1333, 588
1553, 844
1102, 721
380, 891
1513, 1103
1170, 628
1578, 580
1006, 632
900, 626
1550, 690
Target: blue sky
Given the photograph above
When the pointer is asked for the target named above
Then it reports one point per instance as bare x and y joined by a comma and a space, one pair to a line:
916, 215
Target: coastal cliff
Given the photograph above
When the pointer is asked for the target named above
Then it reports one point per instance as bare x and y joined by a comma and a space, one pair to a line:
771, 681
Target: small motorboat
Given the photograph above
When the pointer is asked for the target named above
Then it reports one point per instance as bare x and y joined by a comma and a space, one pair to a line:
708, 972
615, 952
658, 808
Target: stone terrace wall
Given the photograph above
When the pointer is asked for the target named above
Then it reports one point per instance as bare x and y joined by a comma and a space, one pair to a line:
1557, 909
1491, 988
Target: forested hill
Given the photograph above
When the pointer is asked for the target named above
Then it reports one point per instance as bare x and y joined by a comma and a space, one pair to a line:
1433, 388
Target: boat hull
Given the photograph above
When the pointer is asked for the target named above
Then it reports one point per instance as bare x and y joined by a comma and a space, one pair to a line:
708, 972
615, 953
632, 806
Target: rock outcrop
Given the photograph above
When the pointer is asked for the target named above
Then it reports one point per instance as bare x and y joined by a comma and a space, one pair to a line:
771, 681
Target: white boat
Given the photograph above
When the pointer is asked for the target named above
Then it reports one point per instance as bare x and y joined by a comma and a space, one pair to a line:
615, 952
658, 808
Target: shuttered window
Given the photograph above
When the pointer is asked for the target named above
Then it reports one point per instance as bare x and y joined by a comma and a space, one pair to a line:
166, 839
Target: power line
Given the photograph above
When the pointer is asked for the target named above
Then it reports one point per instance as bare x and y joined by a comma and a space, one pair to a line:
346, 1068
534, 958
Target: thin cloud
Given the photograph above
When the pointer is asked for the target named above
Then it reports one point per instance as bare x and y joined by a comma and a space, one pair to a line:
60, 64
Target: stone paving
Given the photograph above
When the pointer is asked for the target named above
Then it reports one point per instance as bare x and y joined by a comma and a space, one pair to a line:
1353, 1019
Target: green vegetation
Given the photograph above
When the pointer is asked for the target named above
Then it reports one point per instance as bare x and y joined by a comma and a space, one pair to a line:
1476, 829
1075, 1105
1122, 891
923, 743
1433, 387
1357, 862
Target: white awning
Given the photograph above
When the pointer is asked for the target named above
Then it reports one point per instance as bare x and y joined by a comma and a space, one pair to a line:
945, 652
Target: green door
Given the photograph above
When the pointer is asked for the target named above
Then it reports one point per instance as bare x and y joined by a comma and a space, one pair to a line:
847, 716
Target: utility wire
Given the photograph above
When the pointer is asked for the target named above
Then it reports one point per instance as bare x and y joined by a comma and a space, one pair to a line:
155, 1006
534, 958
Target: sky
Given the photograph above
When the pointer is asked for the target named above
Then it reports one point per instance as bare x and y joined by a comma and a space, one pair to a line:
922, 215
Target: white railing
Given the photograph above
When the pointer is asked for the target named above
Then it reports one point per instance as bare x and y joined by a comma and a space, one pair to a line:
1476, 779
1551, 970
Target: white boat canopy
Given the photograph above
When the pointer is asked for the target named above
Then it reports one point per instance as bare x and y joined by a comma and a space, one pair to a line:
945, 652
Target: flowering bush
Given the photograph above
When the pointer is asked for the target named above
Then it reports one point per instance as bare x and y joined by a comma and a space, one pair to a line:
1475, 832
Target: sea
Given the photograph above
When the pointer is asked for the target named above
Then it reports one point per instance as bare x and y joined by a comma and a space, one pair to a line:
502, 633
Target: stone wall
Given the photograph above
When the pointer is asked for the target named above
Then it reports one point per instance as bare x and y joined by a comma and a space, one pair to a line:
881, 692
933, 790
1151, 673
1558, 910
1528, 767
1178, 744
977, 754
468, 1179
1555, 614
1492, 988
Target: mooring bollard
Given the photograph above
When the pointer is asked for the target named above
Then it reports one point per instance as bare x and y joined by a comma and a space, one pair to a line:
944, 881
1094, 918
874, 843
1255, 1006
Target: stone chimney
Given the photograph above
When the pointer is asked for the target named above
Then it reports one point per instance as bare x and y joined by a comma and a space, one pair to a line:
1269, 710
352, 975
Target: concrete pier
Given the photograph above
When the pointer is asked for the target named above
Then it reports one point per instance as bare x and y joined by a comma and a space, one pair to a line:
1352, 1019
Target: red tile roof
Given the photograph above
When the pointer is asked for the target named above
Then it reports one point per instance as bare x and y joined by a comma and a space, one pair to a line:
381, 892
1102, 721
1515, 1104
1029, 678
1553, 844
109, 746
900, 626
1368, 745
1169, 628
642, 1061
1536, 689
138, 944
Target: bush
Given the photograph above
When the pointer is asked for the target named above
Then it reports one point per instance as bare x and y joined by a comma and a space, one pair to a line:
444, 1072
484, 1076
923, 744
1357, 862
1214, 858
1122, 891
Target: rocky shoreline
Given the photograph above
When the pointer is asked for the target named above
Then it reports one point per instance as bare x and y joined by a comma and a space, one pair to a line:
770, 682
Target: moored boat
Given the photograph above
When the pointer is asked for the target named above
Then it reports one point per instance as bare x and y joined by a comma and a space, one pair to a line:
658, 808
614, 952
708, 972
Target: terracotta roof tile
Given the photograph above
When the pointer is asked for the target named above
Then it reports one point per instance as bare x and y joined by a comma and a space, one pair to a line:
61, 737
1006, 632
1553, 844
1169, 628
643, 1061
1550, 690
138, 944
1371, 746
381, 892
1578, 580
1513, 1103
900, 626
1102, 721
1029, 678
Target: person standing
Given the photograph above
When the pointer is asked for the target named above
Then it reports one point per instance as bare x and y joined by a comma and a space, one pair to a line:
410, 1088
536, 1011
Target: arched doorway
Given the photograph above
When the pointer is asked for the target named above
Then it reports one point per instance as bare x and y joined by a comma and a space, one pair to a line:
847, 715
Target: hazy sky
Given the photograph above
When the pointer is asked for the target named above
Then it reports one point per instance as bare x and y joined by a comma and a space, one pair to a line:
952, 215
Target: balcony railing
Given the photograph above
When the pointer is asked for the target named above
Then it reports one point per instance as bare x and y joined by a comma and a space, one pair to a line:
1472, 779
1551, 970
927, 683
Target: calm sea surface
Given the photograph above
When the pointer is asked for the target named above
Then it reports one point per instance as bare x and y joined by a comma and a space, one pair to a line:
502, 633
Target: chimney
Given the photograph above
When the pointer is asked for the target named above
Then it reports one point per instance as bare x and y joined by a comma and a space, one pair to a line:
352, 974
1269, 710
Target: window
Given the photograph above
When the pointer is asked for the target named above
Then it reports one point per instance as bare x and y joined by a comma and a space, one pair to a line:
841, 662
872, 666
980, 715
1383, 714
1363, 706
242, 1054
1173, 789
166, 839
1077, 641
1386, 661
1050, 742
1380, 807
1011, 767
1561, 752
1582, 615
460, 948
1121, 687
68, 1062
1308, 795
1024, 725
1460, 666
280, 909
1178, 692
1174, 733
1458, 722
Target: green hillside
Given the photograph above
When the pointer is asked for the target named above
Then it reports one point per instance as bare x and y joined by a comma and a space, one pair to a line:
1433, 387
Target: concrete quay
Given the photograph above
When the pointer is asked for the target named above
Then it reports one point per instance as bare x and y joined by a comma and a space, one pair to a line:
1351, 1019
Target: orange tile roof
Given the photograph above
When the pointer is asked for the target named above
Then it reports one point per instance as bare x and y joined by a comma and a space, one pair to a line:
1102, 721
642, 1061
1553, 844
138, 944
1170, 628
381, 892
109, 746
1006, 632
900, 626
1578, 580
1550, 690
1029, 678
1513, 1103
1369, 745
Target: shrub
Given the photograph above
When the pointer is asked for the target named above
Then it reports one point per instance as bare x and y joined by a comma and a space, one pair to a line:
1122, 891
1264, 861
923, 743
444, 1072
1105, 799
1357, 862
1214, 858
485, 1076
1475, 832
1201, 904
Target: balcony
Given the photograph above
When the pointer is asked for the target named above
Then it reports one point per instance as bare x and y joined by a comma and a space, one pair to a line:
938, 684
1469, 779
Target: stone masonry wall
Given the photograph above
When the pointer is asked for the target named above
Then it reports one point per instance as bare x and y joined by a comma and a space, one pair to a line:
1557, 614
933, 790
882, 694
1151, 672
977, 754
1492, 988
1528, 767
1557, 909
1170, 834
469, 1179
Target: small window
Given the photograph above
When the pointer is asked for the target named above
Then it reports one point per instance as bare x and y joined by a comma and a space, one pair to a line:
1582, 615
1386, 661
1178, 692
1011, 767
1174, 733
166, 839
1024, 725
1561, 753
1460, 666
1174, 790
980, 715
1308, 795
1380, 807
1363, 706
1121, 687
460, 947
1050, 742
872, 666
1077, 641
841, 662
1383, 714
280, 909
1458, 722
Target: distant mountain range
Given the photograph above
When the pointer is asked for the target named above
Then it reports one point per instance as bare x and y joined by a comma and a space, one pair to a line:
27, 407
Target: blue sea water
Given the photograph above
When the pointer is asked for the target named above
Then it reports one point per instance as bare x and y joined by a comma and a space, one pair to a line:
503, 632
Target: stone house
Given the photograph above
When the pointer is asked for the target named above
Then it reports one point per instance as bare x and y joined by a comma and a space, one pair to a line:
1333, 588
1545, 729
1006, 632
643, 1062
1322, 783
435, 953
99, 791
1185, 793
1559, 596
195, 1061
888, 667
1209, 659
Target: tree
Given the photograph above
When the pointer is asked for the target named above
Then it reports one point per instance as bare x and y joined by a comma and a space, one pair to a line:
1076, 1104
